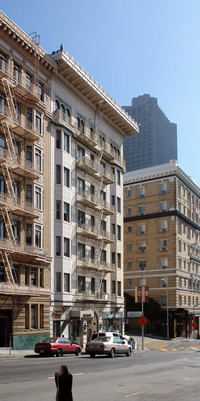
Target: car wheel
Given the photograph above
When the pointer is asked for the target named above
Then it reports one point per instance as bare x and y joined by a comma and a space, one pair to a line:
59, 352
92, 355
112, 353
77, 351
128, 352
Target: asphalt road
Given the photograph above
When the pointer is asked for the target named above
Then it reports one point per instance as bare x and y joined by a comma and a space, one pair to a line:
149, 375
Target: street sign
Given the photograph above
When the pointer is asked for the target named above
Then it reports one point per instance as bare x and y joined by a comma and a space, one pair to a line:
134, 314
142, 320
194, 325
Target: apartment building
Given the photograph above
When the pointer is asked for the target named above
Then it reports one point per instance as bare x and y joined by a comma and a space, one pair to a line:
25, 75
162, 243
88, 128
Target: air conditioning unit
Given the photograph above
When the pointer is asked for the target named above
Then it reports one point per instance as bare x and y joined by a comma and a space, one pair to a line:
106, 297
164, 248
164, 230
163, 267
141, 232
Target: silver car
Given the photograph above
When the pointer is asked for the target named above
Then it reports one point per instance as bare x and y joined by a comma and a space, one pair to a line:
108, 346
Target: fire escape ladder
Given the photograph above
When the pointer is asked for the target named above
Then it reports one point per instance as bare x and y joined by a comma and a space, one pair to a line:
10, 100
9, 138
7, 216
8, 181
8, 266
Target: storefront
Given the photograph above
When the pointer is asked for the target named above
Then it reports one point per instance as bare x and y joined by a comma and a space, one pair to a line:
112, 321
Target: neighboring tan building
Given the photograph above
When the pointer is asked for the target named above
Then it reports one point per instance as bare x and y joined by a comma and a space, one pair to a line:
162, 242
87, 168
25, 73
157, 141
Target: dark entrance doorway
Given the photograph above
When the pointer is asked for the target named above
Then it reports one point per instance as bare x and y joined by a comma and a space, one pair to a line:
5, 327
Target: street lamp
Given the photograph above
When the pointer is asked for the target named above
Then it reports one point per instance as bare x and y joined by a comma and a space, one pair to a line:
164, 281
142, 283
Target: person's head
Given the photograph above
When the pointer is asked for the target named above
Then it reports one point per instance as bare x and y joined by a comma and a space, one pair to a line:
63, 369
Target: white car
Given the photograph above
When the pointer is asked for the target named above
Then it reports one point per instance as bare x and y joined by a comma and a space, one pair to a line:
110, 334
108, 345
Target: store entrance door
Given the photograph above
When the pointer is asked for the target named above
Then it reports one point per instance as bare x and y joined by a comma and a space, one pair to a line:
5, 325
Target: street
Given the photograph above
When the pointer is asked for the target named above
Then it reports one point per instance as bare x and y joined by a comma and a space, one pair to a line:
147, 375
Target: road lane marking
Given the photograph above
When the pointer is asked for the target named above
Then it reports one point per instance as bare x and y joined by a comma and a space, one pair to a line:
163, 349
129, 395
194, 348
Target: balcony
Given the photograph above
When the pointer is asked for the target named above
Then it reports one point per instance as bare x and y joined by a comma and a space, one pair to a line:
4, 70
21, 249
18, 206
26, 129
106, 237
87, 136
93, 296
105, 207
23, 290
105, 266
87, 199
106, 149
88, 165
59, 117
107, 177
87, 263
26, 89
19, 165
87, 230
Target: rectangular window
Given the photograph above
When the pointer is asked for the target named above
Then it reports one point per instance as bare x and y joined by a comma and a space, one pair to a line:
128, 193
163, 206
80, 186
141, 247
103, 257
162, 226
141, 192
58, 209
103, 286
92, 253
58, 139
113, 200
66, 142
141, 264
29, 154
163, 245
27, 316
128, 211
58, 246
81, 284
66, 247
33, 276
163, 300
92, 285
66, 282
113, 258
119, 288
118, 177
38, 159
81, 218
141, 228
38, 236
81, 251
66, 212
162, 188
29, 234
113, 229
113, 287
129, 247
118, 205
58, 282
141, 210
58, 174
119, 260
38, 122
38, 198
129, 264
29, 198
41, 316
119, 233
66, 177
33, 316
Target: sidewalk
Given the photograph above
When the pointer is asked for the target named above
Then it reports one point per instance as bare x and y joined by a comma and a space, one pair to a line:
7, 353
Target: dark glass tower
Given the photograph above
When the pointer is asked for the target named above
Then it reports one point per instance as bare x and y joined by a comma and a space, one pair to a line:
157, 141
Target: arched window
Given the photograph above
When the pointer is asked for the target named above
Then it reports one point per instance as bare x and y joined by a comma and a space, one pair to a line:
68, 115
57, 105
82, 126
62, 111
78, 123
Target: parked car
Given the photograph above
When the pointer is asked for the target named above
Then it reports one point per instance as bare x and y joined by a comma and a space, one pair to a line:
110, 334
108, 345
57, 346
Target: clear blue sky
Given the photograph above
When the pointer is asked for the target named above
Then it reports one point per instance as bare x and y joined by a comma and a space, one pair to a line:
130, 47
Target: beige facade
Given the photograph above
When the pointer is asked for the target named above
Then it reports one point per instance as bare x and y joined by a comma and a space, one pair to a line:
161, 241
88, 128
25, 72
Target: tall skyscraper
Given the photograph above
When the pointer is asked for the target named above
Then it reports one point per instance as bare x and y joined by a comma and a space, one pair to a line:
156, 142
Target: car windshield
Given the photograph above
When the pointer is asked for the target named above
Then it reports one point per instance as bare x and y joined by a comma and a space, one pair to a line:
50, 340
103, 339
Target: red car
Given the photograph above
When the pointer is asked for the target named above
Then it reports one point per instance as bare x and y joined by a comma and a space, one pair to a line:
57, 346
